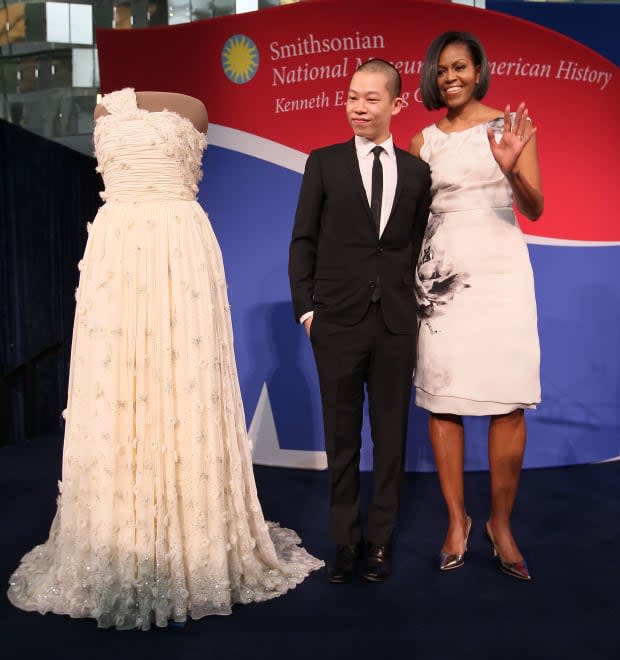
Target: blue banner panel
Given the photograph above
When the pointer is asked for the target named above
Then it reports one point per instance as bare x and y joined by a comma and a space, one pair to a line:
578, 301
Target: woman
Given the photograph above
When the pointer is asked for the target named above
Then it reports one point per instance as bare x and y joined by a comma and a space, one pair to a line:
478, 344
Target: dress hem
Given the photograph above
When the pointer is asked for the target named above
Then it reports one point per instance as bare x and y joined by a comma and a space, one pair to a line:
437, 403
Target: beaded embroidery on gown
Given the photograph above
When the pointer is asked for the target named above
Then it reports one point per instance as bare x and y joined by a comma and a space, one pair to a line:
478, 349
158, 517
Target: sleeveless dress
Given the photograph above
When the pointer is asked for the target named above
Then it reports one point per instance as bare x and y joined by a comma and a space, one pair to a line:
158, 517
478, 350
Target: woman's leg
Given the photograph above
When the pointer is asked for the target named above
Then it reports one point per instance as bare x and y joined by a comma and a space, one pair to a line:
447, 440
506, 449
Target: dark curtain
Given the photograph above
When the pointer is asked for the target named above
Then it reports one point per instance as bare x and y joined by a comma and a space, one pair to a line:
47, 195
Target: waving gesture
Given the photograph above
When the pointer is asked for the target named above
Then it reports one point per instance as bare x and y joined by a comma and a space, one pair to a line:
516, 134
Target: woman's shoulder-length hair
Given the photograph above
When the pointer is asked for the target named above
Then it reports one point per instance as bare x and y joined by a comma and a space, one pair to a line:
431, 98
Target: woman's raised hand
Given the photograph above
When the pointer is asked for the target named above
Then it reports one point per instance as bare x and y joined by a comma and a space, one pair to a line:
516, 134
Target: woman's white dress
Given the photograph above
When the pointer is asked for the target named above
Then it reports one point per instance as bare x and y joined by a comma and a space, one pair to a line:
158, 517
478, 349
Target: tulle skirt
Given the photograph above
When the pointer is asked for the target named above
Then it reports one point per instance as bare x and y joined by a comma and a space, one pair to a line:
158, 517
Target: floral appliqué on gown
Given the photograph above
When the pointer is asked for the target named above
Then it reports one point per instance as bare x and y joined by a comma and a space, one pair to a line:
158, 517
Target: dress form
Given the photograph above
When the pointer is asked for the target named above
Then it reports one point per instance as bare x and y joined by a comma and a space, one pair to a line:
182, 104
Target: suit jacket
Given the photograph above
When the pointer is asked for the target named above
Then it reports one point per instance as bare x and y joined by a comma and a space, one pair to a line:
336, 256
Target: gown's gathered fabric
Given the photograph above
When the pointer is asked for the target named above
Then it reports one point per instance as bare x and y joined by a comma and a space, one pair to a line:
158, 517
478, 349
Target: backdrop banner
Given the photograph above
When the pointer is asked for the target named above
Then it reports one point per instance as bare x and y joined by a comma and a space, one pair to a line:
275, 83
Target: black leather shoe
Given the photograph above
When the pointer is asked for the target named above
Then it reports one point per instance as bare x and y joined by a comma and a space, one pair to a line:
344, 564
378, 565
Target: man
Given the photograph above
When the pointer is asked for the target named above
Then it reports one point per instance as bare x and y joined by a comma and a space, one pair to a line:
360, 221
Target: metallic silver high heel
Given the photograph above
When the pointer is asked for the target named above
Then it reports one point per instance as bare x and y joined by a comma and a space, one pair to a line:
448, 561
516, 569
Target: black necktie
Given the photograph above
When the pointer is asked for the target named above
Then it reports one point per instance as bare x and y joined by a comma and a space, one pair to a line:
376, 193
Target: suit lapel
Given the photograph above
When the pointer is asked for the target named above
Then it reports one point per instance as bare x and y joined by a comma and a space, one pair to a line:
356, 177
400, 176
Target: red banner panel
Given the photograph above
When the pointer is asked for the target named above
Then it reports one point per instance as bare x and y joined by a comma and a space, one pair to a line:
282, 74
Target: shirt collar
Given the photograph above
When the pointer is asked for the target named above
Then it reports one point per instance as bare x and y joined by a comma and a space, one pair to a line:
364, 147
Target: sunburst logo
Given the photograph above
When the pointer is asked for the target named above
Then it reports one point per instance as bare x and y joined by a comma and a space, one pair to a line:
240, 59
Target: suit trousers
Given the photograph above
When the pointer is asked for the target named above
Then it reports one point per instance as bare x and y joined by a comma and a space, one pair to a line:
349, 359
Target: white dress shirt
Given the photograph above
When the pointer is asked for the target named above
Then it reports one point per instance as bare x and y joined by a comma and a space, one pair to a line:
365, 158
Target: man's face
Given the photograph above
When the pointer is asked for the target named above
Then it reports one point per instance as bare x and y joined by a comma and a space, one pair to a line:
370, 106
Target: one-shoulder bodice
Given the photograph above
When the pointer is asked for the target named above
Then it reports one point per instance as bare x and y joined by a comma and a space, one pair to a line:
146, 156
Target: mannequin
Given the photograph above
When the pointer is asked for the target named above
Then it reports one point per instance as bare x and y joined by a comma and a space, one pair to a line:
182, 104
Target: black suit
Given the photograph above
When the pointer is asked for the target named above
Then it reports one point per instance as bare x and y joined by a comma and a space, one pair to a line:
336, 262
